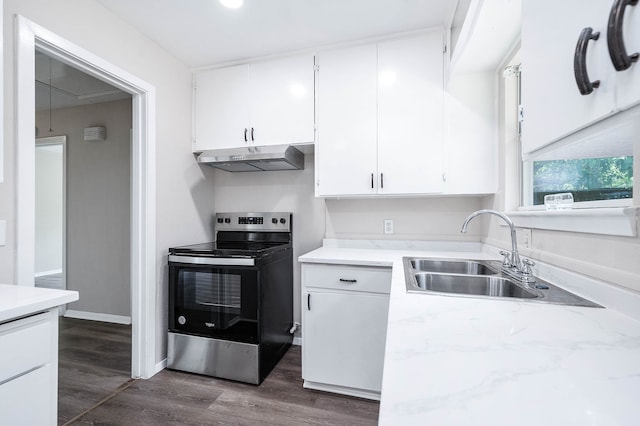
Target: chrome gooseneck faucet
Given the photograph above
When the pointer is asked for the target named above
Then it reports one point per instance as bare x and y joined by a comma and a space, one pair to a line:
512, 264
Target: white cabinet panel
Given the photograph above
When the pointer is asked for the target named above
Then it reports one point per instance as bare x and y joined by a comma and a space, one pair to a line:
221, 108
344, 339
27, 400
282, 101
380, 118
29, 370
410, 115
262, 103
29, 337
553, 105
628, 81
344, 324
346, 153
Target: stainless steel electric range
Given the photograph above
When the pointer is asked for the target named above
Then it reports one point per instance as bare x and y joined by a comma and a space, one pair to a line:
231, 301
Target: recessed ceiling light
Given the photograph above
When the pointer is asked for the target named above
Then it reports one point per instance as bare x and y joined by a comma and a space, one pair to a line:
232, 4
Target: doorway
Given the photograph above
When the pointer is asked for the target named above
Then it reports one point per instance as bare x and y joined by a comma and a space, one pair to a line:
50, 204
29, 37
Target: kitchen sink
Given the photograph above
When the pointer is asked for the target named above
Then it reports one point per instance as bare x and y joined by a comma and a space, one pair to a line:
481, 279
471, 285
447, 266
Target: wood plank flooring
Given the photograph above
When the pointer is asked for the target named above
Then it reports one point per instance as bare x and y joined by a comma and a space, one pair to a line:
177, 398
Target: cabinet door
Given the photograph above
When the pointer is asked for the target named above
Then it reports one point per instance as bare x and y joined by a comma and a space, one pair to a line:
553, 106
221, 108
410, 115
346, 152
282, 100
628, 81
344, 338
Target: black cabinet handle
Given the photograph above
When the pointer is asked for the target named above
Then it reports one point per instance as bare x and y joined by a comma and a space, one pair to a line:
245, 135
381, 180
615, 39
343, 280
580, 62
308, 301
371, 180
252, 139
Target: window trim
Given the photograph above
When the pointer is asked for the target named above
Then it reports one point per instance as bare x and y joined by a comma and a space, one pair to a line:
619, 221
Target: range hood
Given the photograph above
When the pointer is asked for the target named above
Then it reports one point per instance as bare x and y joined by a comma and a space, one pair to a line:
254, 158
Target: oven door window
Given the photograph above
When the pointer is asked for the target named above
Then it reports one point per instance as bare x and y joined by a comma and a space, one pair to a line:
215, 302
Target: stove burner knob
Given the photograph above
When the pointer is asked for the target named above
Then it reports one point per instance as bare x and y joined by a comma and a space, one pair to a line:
274, 220
182, 320
227, 220
220, 220
283, 220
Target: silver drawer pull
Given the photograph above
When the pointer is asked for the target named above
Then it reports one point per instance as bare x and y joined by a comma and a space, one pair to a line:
343, 280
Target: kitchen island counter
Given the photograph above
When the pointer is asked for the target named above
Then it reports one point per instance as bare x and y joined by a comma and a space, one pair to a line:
19, 301
462, 361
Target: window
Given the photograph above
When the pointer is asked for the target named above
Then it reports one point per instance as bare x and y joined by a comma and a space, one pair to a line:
595, 165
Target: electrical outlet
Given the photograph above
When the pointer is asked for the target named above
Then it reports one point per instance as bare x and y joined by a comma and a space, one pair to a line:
388, 226
525, 238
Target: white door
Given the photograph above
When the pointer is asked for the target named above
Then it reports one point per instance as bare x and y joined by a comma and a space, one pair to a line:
553, 105
221, 108
282, 101
344, 339
410, 115
346, 151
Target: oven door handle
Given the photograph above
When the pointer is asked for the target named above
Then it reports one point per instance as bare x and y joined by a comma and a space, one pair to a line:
213, 261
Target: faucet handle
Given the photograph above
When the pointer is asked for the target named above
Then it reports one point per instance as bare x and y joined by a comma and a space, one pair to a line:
527, 264
506, 261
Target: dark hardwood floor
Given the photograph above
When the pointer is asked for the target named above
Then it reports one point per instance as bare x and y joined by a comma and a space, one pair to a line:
95, 389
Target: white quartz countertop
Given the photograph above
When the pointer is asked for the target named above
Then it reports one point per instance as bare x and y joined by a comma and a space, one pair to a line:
469, 361
19, 301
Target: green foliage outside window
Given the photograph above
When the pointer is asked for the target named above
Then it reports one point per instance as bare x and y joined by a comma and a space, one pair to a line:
588, 179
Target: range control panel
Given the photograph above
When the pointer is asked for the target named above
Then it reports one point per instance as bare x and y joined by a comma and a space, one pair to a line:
279, 221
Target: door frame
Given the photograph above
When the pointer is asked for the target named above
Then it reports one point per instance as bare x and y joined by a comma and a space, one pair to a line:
28, 36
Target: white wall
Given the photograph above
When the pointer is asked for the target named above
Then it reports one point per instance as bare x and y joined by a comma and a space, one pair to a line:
98, 204
183, 194
49, 208
431, 219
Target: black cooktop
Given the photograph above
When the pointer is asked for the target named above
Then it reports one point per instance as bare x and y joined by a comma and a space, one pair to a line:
226, 248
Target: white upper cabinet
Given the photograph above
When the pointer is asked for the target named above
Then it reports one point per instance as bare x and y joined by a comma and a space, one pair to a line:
380, 118
628, 80
346, 153
410, 115
263, 103
557, 54
221, 108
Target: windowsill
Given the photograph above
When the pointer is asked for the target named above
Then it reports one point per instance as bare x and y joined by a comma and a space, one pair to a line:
621, 221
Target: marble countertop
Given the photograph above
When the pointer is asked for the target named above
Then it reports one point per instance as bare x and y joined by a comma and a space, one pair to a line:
19, 301
468, 361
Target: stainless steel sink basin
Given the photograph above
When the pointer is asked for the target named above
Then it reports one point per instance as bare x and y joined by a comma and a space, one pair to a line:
471, 285
446, 266
481, 279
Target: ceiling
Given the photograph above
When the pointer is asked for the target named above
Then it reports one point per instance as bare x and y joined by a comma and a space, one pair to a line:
60, 86
203, 32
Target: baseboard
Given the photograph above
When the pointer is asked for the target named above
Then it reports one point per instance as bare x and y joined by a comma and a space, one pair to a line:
297, 341
160, 366
45, 273
94, 316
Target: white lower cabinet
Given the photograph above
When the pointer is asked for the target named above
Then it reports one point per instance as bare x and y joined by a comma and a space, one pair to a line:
29, 370
344, 324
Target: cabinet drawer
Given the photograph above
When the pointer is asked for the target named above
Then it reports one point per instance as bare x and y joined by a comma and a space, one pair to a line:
29, 399
352, 278
26, 344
